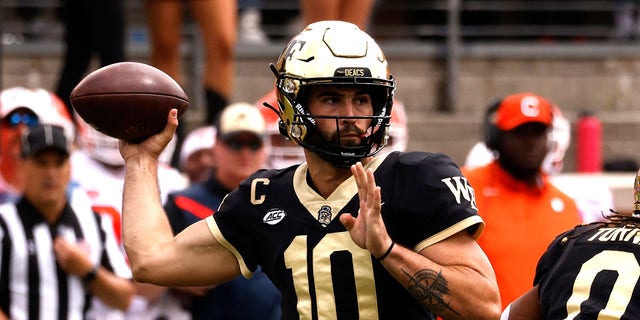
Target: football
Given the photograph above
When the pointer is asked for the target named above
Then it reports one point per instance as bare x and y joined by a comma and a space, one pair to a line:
128, 100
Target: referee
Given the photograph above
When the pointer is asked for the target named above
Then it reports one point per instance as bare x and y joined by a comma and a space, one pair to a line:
56, 254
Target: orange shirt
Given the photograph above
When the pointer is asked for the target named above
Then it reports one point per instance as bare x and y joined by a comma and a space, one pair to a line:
520, 223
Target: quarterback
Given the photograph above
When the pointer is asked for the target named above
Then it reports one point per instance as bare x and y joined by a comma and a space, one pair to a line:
345, 234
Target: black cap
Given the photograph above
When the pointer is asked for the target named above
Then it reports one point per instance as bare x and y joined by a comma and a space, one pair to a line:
41, 137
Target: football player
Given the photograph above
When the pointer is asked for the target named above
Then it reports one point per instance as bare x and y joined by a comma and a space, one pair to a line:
347, 234
589, 272
196, 154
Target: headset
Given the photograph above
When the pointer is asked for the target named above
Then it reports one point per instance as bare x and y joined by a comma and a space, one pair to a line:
491, 132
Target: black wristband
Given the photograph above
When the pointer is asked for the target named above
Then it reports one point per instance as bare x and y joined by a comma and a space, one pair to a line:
386, 254
90, 276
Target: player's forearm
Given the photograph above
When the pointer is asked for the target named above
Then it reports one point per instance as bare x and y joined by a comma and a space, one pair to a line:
526, 307
451, 292
475, 295
145, 226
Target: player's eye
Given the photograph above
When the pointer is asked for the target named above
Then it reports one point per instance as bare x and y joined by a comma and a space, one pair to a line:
330, 100
364, 99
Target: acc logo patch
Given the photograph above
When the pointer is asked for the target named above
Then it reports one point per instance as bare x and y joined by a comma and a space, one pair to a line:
274, 216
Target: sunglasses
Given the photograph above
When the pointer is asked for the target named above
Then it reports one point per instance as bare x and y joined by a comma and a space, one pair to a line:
14, 119
239, 145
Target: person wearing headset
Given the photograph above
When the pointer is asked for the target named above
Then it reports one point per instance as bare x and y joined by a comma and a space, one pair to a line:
592, 198
522, 210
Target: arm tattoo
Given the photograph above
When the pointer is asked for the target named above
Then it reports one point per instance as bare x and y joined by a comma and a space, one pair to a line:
429, 288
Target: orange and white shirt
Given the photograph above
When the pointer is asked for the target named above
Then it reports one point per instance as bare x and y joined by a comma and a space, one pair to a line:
520, 222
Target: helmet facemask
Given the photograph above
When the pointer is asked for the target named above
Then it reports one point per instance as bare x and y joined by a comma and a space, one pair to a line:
333, 53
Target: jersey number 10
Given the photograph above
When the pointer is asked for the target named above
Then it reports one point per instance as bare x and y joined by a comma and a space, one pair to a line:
296, 260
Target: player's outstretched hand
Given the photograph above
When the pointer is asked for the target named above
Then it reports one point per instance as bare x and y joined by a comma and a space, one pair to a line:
152, 146
367, 229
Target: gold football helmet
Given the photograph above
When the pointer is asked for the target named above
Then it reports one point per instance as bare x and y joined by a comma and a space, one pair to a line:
332, 53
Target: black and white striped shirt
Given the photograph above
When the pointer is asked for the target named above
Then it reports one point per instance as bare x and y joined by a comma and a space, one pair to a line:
32, 285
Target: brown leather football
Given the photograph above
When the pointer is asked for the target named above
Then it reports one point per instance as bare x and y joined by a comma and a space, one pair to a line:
128, 100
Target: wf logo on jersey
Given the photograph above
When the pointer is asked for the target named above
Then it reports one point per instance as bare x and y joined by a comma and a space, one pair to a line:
274, 216
324, 215
460, 187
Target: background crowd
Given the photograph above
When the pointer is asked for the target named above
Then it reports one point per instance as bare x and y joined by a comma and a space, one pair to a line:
522, 205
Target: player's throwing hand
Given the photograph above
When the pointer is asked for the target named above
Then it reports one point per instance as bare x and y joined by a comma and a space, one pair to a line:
153, 145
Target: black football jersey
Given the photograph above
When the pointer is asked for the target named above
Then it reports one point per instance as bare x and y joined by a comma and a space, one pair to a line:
277, 221
591, 272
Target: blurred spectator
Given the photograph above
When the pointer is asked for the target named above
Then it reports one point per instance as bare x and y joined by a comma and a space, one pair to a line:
98, 168
593, 199
168, 154
523, 212
71, 254
218, 29
196, 155
238, 152
626, 23
357, 12
217, 24
250, 22
21, 108
91, 27
30, 14
281, 152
